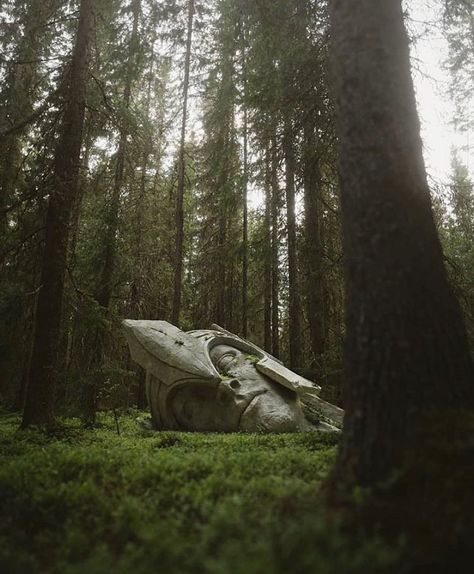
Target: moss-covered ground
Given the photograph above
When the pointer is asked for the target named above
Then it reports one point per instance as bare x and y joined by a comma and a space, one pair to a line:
142, 502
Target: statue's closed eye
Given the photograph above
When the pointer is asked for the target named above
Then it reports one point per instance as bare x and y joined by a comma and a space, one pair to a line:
224, 362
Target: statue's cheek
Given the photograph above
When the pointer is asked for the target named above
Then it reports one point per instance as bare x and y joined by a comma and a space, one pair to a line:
194, 408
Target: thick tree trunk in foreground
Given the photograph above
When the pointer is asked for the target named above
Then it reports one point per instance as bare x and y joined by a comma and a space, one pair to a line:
178, 258
409, 376
40, 392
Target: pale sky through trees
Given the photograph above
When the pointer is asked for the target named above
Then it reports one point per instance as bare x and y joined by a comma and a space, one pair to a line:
432, 81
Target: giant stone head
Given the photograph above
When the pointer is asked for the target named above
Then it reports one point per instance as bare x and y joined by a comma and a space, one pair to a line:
212, 380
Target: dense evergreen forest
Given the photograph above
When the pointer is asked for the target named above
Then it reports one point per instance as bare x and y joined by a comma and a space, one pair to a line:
204, 189
255, 164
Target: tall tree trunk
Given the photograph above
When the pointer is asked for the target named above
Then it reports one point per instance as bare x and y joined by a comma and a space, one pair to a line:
82, 184
267, 258
245, 230
221, 271
230, 299
315, 280
179, 217
40, 393
245, 234
409, 376
294, 331
275, 209
138, 284
70, 323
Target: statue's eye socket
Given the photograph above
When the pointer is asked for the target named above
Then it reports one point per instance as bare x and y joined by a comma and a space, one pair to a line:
225, 361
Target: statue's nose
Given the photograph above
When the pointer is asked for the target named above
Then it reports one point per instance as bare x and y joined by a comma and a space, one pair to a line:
228, 391
232, 398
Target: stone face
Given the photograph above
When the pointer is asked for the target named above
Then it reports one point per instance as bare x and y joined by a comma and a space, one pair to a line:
212, 380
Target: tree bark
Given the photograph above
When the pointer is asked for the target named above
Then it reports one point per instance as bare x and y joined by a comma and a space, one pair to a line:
222, 269
294, 322
267, 258
409, 393
40, 393
245, 230
179, 216
315, 281
245, 233
137, 295
275, 209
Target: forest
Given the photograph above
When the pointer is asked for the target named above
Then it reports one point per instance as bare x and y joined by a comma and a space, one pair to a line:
252, 169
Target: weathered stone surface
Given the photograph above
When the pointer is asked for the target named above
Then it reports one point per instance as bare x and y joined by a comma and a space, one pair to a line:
212, 380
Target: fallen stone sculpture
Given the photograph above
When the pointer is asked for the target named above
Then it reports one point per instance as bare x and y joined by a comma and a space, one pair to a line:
212, 380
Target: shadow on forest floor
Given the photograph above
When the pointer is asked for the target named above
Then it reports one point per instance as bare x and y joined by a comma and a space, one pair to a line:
145, 502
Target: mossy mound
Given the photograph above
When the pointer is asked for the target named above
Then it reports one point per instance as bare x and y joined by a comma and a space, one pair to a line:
95, 502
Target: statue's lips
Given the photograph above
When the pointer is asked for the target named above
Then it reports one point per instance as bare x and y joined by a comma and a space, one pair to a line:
268, 412
251, 402
253, 412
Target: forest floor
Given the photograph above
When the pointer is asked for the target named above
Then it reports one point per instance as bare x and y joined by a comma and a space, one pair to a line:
143, 502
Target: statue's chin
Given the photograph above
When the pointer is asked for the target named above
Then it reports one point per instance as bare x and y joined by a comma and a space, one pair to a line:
269, 413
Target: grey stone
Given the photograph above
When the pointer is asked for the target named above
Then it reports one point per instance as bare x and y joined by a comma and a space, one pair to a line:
212, 380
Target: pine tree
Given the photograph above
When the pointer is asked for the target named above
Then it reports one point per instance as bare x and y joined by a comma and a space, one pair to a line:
40, 393
178, 257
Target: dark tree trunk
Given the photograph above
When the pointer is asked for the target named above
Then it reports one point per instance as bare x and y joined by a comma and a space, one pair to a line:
82, 183
137, 295
294, 330
245, 233
230, 300
71, 321
40, 393
275, 209
315, 281
179, 217
267, 258
409, 378
221, 272
245, 230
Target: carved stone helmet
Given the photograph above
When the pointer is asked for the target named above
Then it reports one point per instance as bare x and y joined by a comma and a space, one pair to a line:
212, 380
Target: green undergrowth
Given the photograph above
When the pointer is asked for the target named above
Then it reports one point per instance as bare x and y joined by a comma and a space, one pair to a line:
95, 502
